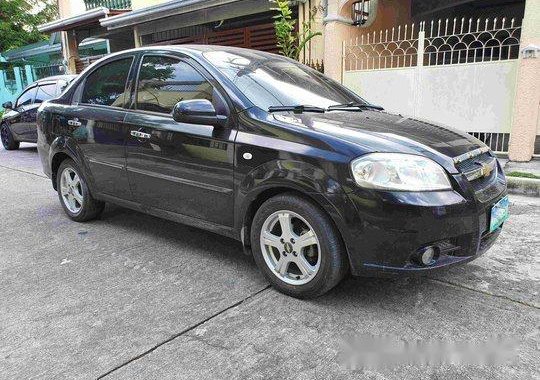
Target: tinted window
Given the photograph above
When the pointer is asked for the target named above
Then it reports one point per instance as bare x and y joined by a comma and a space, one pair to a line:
26, 97
45, 92
106, 86
270, 80
165, 81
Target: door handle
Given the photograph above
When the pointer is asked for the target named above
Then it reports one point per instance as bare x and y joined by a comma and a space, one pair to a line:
74, 122
140, 135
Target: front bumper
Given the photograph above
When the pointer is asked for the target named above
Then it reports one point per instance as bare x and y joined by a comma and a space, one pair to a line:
386, 229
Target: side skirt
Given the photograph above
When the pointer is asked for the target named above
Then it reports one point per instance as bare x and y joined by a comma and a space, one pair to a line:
175, 217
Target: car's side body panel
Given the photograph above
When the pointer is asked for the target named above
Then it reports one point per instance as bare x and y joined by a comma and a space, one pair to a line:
22, 117
182, 168
100, 135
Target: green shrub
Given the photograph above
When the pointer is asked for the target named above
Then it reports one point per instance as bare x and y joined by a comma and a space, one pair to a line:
291, 43
522, 175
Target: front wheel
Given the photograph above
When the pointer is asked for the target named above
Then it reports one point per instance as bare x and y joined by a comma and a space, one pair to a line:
8, 141
297, 247
74, 193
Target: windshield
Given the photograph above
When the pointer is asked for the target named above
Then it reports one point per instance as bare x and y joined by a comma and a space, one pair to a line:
269, 80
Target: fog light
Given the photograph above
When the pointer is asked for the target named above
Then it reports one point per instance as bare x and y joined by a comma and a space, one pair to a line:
426, 256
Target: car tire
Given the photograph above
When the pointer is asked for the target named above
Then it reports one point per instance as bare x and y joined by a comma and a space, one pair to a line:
8, 141
308, 223
74, 194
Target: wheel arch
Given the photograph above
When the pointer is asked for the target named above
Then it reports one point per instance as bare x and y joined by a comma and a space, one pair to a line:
56, 161
332, 200
63, 148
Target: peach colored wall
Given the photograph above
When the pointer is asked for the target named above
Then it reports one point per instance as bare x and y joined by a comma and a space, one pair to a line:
526, 106
68, 8
315, 49
390, 13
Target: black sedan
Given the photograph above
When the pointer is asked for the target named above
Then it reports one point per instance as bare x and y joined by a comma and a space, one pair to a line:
312, 179
18, 124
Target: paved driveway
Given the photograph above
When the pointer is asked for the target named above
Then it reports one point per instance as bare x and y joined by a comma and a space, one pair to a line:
131, 296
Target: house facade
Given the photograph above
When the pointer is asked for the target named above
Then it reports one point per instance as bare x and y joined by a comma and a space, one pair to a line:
469, 64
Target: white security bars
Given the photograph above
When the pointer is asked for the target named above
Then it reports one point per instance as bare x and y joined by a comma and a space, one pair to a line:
471, 42
459, 72
435, 43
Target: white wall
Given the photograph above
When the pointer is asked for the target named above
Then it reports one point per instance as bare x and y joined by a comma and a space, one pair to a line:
474, 97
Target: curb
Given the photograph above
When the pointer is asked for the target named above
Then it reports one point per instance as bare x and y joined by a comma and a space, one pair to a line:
523, 186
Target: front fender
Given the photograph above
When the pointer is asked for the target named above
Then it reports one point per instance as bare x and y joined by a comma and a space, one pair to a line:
299, 175
285, 175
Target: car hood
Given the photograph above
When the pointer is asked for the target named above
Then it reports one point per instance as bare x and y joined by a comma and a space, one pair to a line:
373, 126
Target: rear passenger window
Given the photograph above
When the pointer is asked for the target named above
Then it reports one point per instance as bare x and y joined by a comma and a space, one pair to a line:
107, 85
45, 92
164, 81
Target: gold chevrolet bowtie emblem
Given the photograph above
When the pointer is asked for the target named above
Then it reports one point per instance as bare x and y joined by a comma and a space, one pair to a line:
486, 170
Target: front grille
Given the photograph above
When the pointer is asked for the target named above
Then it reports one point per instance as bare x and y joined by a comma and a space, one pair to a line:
473, 162
480, 170
474, 168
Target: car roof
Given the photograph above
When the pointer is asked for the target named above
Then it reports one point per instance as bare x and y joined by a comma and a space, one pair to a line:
55, 78
193, 49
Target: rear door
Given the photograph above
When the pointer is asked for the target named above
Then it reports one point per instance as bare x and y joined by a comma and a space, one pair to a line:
96, 122
45, 91
178, 167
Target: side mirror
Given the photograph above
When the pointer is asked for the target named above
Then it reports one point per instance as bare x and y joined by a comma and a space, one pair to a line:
197, 111
8, 105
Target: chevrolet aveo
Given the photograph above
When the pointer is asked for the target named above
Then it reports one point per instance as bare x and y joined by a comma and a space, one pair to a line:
313, 180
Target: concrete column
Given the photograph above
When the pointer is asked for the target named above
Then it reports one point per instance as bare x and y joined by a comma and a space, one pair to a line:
2, 80
335, 32
136, 37
18, 79
29, 73
526, 103
4, 93
70, 50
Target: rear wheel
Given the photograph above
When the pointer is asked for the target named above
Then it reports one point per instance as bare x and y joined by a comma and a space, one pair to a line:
74, 193
8, 141
297, 247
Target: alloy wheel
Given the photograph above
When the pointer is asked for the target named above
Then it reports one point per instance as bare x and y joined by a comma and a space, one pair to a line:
71, 190
290, 247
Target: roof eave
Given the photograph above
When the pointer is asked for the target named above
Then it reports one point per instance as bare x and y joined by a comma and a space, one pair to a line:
64, 23
170, 8
45, 49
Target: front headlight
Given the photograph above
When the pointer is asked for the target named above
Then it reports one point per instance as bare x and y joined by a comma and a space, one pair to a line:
402, 172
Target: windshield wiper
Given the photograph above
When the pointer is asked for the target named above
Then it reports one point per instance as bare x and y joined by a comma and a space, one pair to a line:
296, 109
354, 105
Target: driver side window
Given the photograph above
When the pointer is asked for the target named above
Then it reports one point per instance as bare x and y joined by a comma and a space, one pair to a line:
165, 81
26, 97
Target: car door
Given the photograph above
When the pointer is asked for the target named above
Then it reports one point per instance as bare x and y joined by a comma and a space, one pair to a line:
45, 91
96, 121
178, 167
23, 111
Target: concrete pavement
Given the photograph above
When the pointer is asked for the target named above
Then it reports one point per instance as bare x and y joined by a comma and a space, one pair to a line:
131, 296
